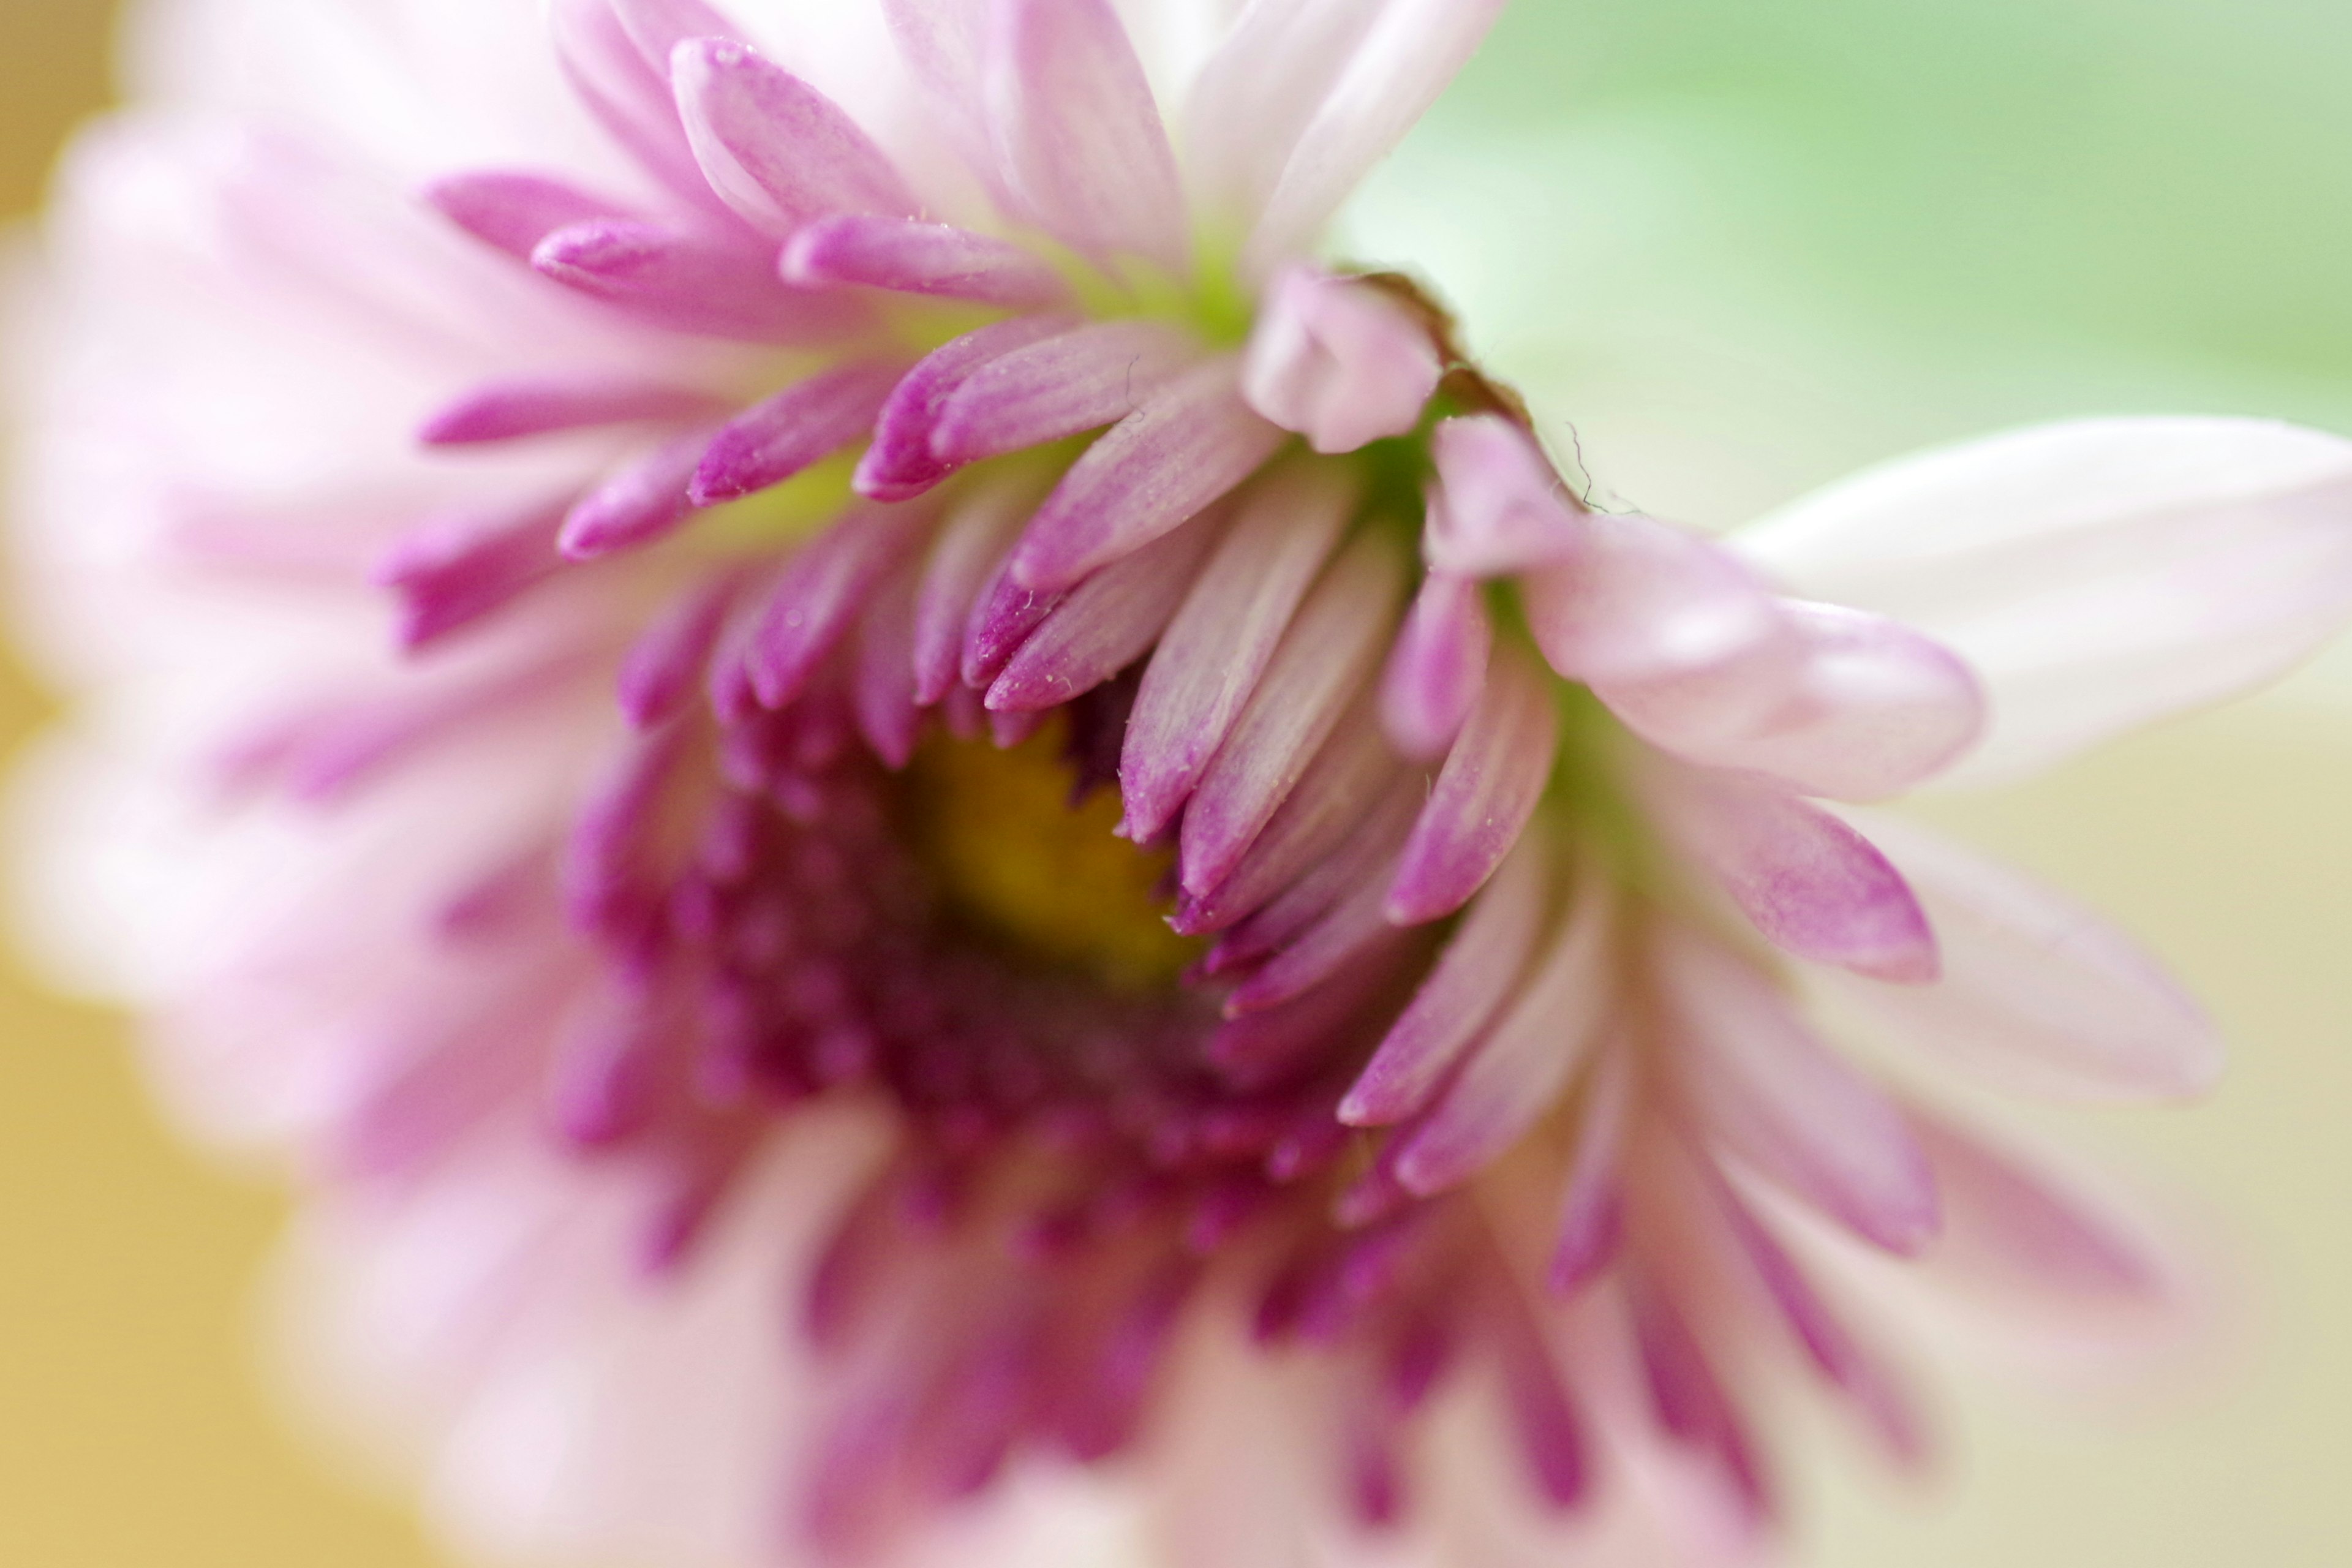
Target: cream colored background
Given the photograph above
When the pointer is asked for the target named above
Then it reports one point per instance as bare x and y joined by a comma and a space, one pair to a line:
134, 1433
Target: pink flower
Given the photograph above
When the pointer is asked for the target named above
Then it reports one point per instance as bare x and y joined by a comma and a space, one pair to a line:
615, 645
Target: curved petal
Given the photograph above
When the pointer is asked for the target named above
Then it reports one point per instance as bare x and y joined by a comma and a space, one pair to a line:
1338, 361
1490, 786
774, 149
1812, 885
2096, 574
1498, 507
2038, 994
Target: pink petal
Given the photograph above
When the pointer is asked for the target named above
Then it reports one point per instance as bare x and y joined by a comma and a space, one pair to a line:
883, 688
1479, 969
1062, 386
942, 43
1859, 709
1593, 1206
1076, 133
823, 589
1437, 668
2096, 574
2039, 993
1497, 508
1349, 777
1643, 601
912, 258
681, 282
1193, 442
1105, 624
1490, 786
1513, 1077
643, 503
2017, 1229
900, 465
616, 58
1332, 646
669, 660
796, 428
774, 149
969, 553
1343, 364
454, 570
514, 212
1760, 1086
506, 410
1222, 640
1391, 78
1812, 885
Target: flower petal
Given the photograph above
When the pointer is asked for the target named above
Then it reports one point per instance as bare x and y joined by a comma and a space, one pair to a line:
509, 410
1193, 442
1225, 636
1332, 646
1645, 601
2095, 575
1340, 361
682, 282
899, 465
1065, 386
1497, 508
823, 591
1473, 976
1512, 1079
1437, 668
912, 258
969, 552
1812, 885
1076, 133
1856, 707
774, 149
1391, 79
1763, 1088
1104, 624
1489, 788
646, 502
2038, 994
799, 427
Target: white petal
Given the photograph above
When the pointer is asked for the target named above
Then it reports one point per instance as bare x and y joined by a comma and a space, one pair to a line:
2096, 574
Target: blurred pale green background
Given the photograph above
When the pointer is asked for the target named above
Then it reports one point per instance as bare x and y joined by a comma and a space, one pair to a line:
1742, 246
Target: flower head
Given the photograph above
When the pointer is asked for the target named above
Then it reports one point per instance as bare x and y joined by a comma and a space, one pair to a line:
931, 839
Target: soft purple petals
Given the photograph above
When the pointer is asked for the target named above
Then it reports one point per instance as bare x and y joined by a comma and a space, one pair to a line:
774, 149
1512, 1079
617, 57
2038, 994
970, 550
1391, 77
910, 258
643, 503
883, 689
1479, 969
1812, 885
665, 665
823, 591
1643, 601
1497, 508
1437, 668
1076, 134
1225, 636
1255, 96
2096, 574
1196, 440
514, 212
508, 410
1762, 1086
1104, 626
799, 427
1592, 1208
454, 570
899, 466
1341, 362
1860, 709
1080, 381
1489, 787
2017, 1228
685, 283
1331, 648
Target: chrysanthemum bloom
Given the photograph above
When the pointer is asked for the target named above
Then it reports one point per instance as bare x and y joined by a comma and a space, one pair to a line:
937, 850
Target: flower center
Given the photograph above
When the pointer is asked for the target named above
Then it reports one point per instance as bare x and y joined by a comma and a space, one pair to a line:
1016, 854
